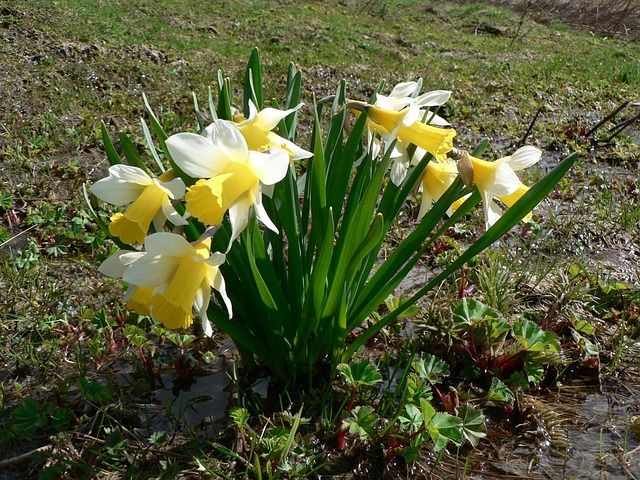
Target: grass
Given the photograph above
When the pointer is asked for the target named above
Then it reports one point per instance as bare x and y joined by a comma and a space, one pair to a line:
66, 338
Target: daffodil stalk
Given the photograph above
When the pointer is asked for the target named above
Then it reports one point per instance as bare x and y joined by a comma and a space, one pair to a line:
229, 231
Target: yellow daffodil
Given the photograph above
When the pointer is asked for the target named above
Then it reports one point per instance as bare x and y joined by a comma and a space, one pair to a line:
172, 278
231, 176
437, 178
415, 108
405, 125
498, 179
257, 131
150, 200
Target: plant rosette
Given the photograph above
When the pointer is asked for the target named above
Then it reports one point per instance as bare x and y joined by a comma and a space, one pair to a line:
277, 245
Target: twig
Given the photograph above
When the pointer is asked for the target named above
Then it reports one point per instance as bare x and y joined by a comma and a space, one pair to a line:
533, 122
86, 436
524, 14
621, 126
17, 235
12, 462
607, 118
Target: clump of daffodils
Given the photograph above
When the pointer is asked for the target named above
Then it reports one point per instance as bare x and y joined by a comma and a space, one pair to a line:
225, 170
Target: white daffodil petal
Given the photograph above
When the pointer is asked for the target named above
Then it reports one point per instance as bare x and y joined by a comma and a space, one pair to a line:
434, 98
129, 173
398, 171
264, 218
238, 217
296, 152
267, 190
129, 257
270, 167
269, 118
175, 187
200, 304
172, 214
226, 137
159, 219
117, 264
169, 244
404, 89
383, 101
425, 205
253, 111
505, 182
411, 116
216, 259
116, 192
417, 156
524, 157
220, 287
196, 155
492, 215
207, 329
487, 199
151, 271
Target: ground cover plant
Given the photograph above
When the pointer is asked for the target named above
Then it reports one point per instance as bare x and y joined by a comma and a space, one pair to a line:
90, 389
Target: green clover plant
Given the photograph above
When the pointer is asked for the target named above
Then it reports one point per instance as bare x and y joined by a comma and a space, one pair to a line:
279, 246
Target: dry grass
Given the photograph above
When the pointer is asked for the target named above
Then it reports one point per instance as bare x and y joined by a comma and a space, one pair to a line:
604, 17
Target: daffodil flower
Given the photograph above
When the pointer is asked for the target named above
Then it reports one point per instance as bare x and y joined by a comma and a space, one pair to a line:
173, 278
498, 179
257, 131
407, 127
436, 179
230, 174
150, 200
403, 99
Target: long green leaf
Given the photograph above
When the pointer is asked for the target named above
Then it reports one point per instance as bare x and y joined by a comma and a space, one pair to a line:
402, 260
253, 82
286, 198
151, 146
224, 98
196, 109
131, 153
318, 194
162, 138
112, 154
390, 205
355, 224
317, 285
155, 124
369, 242
212, 107
294, 81
340, 168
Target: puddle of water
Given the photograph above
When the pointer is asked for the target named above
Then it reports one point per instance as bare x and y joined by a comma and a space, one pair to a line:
203, 402
599, 441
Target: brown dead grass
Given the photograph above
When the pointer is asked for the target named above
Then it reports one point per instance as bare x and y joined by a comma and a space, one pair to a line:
602, 17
